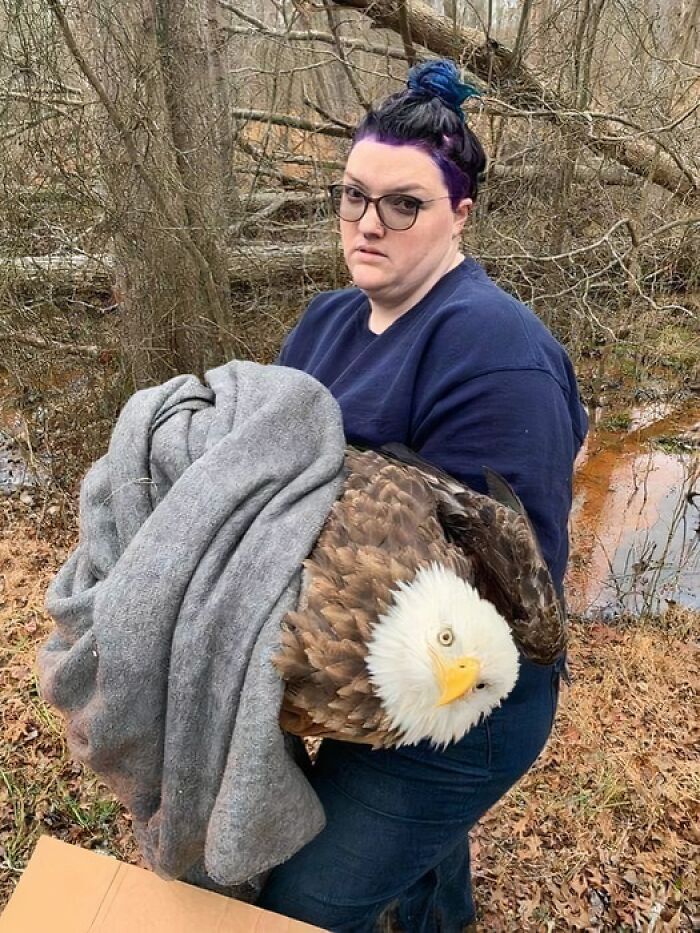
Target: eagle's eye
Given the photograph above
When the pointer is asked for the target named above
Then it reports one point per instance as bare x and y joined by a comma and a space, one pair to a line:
480, 686
446, 637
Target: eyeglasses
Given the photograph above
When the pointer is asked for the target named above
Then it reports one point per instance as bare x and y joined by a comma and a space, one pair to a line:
395, 211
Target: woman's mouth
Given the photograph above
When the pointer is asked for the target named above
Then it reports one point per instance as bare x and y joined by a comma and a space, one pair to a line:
369, 253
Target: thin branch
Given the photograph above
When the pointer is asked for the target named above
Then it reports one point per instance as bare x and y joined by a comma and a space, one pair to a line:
354, 84
246, 17
260, 158
309, 160
671, 225
558, 257
328, 116
589, 118
637, 242
498, 107
314, 35
405, 33
641, 132
523, 26
41, 343
28, 98
44, 118
297, 123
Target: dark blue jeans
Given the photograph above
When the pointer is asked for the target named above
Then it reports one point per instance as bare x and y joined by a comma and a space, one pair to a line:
397, 819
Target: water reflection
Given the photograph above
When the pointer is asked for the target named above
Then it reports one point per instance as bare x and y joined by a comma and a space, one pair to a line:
635, 526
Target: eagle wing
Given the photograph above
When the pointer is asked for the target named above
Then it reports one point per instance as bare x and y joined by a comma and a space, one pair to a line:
378, 533
510, 570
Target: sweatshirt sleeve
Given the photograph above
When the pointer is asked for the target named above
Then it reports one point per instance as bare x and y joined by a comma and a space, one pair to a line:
518, 423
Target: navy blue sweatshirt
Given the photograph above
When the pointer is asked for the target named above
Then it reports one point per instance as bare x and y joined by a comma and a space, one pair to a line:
467, 377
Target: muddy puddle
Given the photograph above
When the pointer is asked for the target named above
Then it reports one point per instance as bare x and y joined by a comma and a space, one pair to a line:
636, 522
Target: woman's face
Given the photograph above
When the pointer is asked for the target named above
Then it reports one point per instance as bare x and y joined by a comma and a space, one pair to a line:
403, 260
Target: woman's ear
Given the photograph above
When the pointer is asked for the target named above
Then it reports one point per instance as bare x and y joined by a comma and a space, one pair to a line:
461, 213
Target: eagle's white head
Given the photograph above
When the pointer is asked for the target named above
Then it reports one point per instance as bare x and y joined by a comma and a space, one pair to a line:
440, 658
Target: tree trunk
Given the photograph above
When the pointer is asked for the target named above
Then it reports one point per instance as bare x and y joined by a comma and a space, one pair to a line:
219, 58
162, 168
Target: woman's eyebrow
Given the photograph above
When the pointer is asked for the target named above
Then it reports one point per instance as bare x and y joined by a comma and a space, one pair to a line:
396, 189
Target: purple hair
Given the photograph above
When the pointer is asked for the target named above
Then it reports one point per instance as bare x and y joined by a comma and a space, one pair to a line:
459, 185
428, 115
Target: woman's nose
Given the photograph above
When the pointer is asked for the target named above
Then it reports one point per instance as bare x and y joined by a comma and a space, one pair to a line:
370, 222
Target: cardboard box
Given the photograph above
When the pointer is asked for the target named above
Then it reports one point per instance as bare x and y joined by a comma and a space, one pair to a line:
66, 889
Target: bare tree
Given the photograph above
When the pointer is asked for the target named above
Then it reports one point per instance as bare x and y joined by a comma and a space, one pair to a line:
207, 131
160, 150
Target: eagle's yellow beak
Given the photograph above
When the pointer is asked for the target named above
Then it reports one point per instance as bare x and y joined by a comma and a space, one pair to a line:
456, 678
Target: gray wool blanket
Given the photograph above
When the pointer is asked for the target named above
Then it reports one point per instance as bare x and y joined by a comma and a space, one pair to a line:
193, 528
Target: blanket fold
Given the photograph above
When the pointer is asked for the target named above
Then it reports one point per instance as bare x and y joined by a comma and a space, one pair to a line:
193, 527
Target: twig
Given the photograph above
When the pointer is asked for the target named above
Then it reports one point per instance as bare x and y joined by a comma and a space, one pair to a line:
298, 123
259, 157
42, 343
6, 137
589, 118
28, 98
327, 116
246, 17
558, 257
354, 84
313, 35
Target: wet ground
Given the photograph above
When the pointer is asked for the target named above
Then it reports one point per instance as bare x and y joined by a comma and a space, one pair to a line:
15, 471
636, 520
19, 468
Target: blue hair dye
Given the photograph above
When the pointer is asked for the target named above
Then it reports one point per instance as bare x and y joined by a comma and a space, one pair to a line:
441, 79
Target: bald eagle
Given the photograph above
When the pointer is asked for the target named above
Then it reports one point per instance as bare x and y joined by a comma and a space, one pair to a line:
414, 602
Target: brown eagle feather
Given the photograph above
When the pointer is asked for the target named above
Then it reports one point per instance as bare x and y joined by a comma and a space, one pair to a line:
397, 514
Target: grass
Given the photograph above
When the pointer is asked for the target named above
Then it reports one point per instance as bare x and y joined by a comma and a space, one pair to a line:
678, 347
618, 421
675, 445
601, 834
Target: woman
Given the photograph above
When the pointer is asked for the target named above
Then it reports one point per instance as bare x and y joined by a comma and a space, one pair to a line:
425, 349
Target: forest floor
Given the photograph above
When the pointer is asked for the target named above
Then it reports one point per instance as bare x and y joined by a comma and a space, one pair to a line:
601, 834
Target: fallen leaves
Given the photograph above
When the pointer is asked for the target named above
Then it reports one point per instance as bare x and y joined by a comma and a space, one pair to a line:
609, 841
601, 834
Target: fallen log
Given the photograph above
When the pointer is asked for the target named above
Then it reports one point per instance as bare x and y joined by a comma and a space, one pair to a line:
518, 86
604, 174
71, 270
247, 264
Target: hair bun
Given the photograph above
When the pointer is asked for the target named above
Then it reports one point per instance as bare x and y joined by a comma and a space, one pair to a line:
441, 79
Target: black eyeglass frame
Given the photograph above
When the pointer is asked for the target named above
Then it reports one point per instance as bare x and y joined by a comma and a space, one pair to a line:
418, 204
